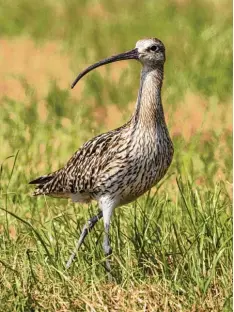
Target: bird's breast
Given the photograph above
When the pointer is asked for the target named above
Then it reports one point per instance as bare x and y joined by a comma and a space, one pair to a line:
137, 168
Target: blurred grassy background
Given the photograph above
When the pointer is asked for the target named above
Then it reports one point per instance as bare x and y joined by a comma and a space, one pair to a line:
43, 46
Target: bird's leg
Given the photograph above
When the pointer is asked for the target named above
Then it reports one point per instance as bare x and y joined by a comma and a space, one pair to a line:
107, 213
88, 227
106, 247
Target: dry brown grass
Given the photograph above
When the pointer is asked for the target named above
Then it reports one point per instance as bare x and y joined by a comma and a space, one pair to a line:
21, 57
113, 298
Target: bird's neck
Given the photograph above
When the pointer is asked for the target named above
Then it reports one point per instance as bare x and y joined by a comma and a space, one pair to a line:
149, 110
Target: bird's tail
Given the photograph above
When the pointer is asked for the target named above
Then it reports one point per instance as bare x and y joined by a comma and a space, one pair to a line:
43, 179
43, 184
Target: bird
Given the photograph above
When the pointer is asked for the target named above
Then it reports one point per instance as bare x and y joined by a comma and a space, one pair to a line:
117, 167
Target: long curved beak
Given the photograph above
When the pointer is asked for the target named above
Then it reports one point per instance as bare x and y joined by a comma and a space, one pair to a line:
133, 54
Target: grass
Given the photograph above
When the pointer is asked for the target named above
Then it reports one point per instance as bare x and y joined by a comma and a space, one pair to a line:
172, 248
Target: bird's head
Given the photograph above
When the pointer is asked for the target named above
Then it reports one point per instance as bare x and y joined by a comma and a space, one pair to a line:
150, 52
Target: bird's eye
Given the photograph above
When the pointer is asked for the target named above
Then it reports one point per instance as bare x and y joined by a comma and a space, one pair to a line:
154, 48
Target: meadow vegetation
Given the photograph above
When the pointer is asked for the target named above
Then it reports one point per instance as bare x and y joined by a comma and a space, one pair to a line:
172, 248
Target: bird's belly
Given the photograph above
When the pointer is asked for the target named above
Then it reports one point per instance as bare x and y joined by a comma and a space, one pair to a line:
80, 197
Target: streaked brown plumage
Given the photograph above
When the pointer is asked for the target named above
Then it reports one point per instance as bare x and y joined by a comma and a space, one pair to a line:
116, 167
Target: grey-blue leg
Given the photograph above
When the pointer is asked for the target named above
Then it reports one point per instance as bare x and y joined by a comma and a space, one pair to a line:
107, 207
107, 247
86, 229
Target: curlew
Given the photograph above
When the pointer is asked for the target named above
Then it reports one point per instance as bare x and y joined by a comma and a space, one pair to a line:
117, 167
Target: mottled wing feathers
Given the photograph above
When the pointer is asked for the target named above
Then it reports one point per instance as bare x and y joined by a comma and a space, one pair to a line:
81, 172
